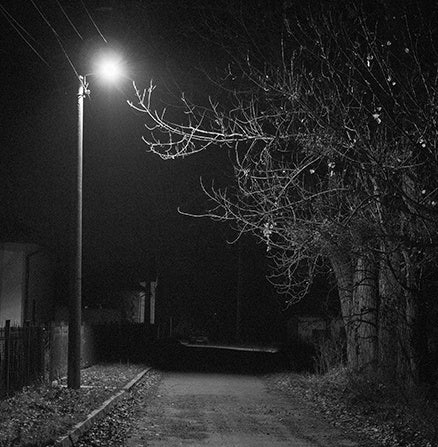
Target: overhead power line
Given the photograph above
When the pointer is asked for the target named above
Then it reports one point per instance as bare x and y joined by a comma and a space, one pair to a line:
69, 20
21, 31
93, 22
57, 37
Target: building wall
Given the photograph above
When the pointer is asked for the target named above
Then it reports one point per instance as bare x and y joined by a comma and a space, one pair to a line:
133, 305
11, 284
309, 327
39, 293
26, 284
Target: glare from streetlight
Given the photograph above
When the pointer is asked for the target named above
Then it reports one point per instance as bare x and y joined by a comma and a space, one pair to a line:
109, 68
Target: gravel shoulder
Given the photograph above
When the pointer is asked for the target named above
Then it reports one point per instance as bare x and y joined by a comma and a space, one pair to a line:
114, 428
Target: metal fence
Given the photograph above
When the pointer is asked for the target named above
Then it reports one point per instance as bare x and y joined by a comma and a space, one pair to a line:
22, 356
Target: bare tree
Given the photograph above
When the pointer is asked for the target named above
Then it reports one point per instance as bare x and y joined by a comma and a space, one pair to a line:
335, 157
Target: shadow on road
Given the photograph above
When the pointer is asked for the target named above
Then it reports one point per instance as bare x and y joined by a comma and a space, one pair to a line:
174, 356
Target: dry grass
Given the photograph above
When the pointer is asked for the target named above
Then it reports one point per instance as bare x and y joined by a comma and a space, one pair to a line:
376, 411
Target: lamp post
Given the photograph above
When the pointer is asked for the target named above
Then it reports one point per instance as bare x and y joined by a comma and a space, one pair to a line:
108, 69
75, 311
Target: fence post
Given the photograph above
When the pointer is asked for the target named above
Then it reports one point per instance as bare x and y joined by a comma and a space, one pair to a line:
7, 354
27, 349
41, 331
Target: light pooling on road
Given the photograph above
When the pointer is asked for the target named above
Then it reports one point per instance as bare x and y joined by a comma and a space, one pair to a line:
269, 349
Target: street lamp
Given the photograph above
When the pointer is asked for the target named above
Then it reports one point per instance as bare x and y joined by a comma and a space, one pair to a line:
108, 69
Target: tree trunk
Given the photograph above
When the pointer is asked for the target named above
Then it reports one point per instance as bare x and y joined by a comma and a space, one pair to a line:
397, 320
408, 361
365, 312
356, 278
389, 293
343, 272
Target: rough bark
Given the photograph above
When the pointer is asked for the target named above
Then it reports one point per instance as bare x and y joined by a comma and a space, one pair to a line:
389, 291
408, 361
356, 281
365, 315
397, 321
342, 268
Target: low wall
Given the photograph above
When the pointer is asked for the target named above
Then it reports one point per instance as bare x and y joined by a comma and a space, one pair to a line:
32, 354
58, 356
100, 343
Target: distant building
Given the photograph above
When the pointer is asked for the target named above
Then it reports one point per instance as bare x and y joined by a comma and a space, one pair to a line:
127, 305
138, 305
26, 284
313, 328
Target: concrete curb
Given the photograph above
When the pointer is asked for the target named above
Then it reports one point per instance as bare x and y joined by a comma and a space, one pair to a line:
80, 428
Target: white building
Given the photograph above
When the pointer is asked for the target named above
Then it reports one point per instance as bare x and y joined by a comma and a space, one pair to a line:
26, 284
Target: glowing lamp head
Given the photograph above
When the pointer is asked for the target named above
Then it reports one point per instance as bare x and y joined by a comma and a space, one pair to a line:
109, 68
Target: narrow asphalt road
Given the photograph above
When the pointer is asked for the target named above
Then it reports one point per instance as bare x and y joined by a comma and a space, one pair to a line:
209, 404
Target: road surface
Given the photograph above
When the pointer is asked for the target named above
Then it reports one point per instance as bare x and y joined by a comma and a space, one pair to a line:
211, 406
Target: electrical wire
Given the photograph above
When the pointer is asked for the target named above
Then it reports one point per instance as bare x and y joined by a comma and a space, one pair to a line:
21, 31
8, 16
69, 20
93, 22
57, 38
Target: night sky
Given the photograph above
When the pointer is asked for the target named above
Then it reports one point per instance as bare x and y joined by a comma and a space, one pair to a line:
131, 224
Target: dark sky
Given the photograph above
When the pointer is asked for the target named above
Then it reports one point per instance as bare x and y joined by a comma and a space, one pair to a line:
131, 224
130, 196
